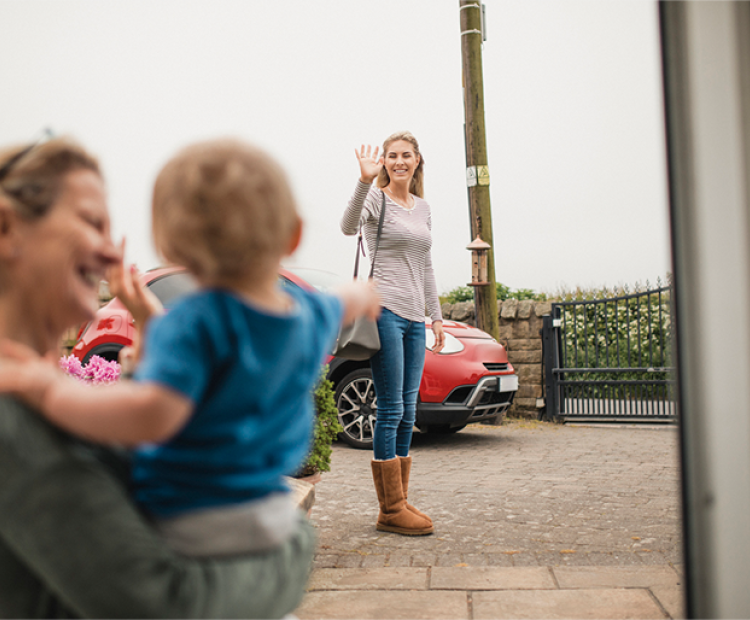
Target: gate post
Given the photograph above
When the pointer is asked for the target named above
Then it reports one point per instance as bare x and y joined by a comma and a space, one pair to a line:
551, 362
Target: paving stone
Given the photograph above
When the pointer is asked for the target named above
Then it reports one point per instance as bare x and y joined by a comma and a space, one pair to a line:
368, 579
616, 577
499, 559
449, 559
325, 561
672, 600
475, 559
491, 578
349, 561
600, 604
377, 605
423, 560
373, 561
659, 558
398, 560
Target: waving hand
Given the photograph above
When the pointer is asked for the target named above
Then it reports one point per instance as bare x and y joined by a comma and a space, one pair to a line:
369, 163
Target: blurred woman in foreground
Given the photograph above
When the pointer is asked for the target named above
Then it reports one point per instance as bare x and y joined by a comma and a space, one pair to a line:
71, 542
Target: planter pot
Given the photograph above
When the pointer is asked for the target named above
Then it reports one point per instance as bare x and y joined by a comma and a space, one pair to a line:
304, 491
312, 478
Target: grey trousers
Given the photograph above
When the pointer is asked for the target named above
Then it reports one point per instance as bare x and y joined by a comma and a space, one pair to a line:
72, 544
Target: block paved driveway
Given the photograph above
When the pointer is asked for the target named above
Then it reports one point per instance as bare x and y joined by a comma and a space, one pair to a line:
523, 494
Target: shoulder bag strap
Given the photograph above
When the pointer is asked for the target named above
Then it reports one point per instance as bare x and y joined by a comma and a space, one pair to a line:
377, 239
361, 246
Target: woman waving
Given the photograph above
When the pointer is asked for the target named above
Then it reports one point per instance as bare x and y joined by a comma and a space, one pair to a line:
406, 284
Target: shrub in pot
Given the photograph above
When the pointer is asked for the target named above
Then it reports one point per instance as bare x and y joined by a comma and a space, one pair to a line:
326, 428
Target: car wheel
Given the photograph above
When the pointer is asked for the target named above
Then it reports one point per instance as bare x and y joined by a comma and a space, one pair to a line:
109, 352
357, 406
443, 429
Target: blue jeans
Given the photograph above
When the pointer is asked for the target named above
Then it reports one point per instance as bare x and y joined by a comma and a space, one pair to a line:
396, 372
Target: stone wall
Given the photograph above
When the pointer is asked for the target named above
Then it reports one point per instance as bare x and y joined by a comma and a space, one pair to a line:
520, 332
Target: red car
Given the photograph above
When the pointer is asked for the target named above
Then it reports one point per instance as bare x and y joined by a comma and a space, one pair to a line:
470, 380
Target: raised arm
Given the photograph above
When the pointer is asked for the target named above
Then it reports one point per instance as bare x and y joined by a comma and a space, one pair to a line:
369, 167
125, 284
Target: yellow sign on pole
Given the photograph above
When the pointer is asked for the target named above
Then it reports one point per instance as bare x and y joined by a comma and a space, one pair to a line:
483, 175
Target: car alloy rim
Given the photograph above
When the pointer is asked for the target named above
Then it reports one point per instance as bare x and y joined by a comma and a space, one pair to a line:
357, 405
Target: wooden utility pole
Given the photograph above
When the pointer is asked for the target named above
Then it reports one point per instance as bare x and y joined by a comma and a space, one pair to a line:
477, 171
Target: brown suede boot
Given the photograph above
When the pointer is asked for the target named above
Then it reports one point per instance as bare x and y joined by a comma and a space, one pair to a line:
394, 516
405, 471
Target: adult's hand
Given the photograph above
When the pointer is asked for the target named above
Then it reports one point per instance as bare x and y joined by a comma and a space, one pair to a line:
437, 329
369, 163
26, 374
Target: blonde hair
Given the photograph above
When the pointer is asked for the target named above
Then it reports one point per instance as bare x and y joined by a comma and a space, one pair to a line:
416, 186
223, 209
33, 183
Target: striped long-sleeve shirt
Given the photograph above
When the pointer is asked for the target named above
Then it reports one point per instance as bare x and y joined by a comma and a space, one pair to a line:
403, 266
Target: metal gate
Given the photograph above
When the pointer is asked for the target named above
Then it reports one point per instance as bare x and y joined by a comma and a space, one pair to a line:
610, 359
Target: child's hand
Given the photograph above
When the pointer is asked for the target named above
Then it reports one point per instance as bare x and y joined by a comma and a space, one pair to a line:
360, 299
125, 284
26, 374
128, 358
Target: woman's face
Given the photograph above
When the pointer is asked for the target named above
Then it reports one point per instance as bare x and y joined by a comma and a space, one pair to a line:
63, 255
401, 161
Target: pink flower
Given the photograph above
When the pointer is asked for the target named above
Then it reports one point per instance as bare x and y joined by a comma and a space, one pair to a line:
98, 371
71, 365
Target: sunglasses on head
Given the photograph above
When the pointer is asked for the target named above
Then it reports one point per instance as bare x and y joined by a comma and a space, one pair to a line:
8, 166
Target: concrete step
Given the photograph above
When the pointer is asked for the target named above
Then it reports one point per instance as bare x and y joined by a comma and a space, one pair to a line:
494, 592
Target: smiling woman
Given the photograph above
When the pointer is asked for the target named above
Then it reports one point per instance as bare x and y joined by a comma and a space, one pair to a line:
54, 240
406, 282
72, 543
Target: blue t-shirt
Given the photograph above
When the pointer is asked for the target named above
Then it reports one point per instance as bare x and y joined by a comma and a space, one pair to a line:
250, 375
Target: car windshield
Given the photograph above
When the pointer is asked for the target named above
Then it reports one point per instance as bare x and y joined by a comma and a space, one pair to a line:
324, 281
171, 287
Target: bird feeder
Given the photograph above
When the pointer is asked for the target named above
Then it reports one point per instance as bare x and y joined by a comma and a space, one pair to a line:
479, 259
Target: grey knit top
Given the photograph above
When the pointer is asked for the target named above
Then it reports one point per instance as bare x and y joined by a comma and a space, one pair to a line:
403, 267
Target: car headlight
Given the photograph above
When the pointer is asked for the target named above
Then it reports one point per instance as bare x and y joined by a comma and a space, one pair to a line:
452, 344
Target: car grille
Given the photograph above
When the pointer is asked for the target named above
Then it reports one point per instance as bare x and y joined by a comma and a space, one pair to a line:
459, 395
492, 404
495, 398
495, 366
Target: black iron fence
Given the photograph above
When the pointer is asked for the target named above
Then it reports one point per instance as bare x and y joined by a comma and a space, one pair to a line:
610, 358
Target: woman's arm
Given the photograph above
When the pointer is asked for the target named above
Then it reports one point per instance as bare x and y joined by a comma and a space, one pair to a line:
354, 217
433, 304
432, 301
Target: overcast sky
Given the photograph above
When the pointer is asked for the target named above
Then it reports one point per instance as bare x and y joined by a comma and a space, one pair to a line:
573, 112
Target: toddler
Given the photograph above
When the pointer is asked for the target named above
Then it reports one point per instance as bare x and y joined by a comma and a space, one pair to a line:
220, 409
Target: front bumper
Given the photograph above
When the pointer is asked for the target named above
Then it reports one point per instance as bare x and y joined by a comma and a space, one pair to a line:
487, 400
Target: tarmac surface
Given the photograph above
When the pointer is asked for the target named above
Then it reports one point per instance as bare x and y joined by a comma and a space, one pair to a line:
532, 520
